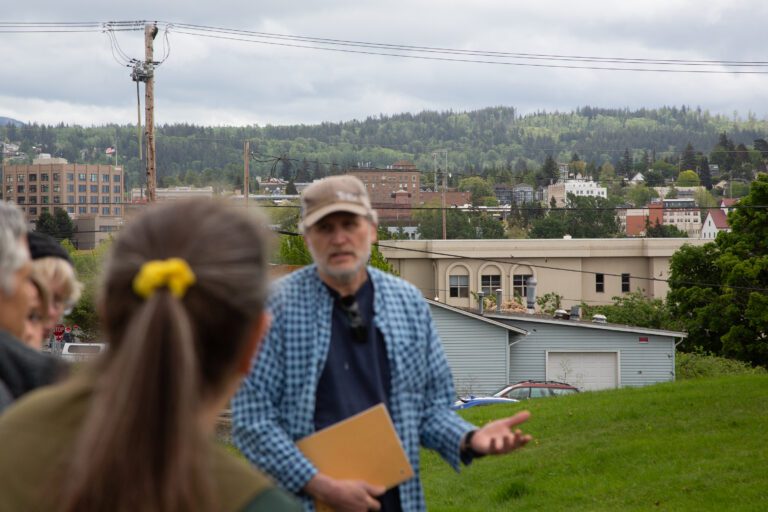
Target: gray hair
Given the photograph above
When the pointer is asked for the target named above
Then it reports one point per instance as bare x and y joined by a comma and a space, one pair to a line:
12, 254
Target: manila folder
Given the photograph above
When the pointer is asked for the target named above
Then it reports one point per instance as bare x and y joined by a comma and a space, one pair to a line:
362, 447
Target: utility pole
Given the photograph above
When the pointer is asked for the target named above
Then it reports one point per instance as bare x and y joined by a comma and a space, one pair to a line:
246, 170
150, 31
445, 177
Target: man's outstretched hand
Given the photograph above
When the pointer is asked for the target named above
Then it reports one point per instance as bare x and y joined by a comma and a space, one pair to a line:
501, 436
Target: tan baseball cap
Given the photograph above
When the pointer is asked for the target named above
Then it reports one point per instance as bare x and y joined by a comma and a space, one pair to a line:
334, 194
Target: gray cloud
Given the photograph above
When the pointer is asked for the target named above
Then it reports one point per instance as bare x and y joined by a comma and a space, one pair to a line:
74, 78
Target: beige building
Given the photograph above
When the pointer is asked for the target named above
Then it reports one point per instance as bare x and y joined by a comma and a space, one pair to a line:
560, 190
589, 270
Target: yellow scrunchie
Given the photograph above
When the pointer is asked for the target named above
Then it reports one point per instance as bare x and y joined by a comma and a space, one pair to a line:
174, 273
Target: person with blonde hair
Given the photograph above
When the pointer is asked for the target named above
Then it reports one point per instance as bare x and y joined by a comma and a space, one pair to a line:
54, 269
182, 304
36, 322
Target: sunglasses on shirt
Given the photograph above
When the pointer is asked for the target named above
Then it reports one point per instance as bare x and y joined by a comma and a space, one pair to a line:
349, 306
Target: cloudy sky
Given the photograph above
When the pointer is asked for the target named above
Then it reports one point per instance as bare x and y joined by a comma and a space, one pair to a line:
225, 78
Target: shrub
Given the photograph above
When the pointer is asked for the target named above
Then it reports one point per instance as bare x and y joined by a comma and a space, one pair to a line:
697, 364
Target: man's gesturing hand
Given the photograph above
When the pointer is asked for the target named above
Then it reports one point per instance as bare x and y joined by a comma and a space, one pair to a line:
501, 436
345, 495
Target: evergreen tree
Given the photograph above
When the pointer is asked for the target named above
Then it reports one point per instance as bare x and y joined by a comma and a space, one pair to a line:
65, 228
549, 172
290, 189
688, 160
704, 173
46, 224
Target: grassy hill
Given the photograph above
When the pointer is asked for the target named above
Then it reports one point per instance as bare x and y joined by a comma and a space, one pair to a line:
692, 445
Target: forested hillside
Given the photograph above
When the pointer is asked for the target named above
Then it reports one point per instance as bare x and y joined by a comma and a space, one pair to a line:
495, 139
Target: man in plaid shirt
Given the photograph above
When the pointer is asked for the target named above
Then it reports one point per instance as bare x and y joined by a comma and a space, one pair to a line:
345, 337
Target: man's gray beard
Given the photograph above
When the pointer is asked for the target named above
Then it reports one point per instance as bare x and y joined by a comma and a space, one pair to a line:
344, 276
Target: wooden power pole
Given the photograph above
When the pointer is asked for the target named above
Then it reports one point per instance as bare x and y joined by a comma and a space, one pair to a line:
150, 31
246, 170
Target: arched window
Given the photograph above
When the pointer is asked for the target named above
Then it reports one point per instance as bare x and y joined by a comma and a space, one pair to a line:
520, 276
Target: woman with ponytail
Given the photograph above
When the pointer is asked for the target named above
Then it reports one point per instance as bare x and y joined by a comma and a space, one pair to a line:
182, 307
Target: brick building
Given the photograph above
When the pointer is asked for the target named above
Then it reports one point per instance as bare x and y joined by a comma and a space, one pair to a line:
92, 194
382, 184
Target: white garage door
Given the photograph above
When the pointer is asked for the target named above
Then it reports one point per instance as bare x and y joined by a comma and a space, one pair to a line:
586, 370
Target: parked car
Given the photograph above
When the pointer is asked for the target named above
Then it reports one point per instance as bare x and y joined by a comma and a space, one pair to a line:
82, 351
526, 389
518, 391
466, 403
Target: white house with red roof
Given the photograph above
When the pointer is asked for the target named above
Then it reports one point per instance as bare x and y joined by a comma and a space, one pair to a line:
715, 222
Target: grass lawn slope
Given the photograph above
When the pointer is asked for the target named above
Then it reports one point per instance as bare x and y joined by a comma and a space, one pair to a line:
694, 445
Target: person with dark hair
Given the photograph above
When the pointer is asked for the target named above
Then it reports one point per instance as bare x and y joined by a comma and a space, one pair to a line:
22, 369
346, 337
183, 312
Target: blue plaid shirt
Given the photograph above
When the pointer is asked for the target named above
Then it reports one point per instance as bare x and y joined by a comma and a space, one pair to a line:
276, 404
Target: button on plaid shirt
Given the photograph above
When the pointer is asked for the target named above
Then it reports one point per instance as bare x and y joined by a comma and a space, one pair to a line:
275, 405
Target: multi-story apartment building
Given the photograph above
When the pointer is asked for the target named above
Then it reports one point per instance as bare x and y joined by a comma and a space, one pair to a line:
681, 213
382, 184
90, 193
560, 190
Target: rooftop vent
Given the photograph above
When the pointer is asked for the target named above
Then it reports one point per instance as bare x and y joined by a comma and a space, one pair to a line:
599, 319
575, 312
562, 314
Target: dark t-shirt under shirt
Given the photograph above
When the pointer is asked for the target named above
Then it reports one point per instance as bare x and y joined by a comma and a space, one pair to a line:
356, 375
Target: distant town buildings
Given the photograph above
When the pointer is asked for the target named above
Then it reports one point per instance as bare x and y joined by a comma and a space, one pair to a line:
92, 195
680, 213
588, 188
382, 184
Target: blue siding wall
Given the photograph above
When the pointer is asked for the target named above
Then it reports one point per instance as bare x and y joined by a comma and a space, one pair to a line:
476, 351
640, 364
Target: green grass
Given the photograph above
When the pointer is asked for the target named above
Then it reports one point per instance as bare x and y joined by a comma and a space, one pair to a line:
692, 445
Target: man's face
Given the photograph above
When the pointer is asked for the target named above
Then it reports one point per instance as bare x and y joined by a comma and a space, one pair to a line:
340, 244
34, 325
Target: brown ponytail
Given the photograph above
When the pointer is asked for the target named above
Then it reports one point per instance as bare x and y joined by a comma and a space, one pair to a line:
141, 447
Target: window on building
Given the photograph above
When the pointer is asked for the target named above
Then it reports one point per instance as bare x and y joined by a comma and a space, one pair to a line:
70, 176
56, 189
21, 200
71, 187
489, 284
9, 179
70, 199
20, 178
56, 176
520, 285
94, 189
116, 199
625, 287
94, 200
104, 199
116, 189
70, 209
56, 199
105, 211
44, 199
94, 209
600, 283
33, 210
82, 210
105, 189
82, 188
45, 209
44, 176
20, 189
94, 177
459, 286
82, 200
45, 188
32, 200
116, 178
117, 211
105, 178
81, 176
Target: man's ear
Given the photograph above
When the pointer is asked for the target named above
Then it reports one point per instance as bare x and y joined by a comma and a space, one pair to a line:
375, 235
255, 335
